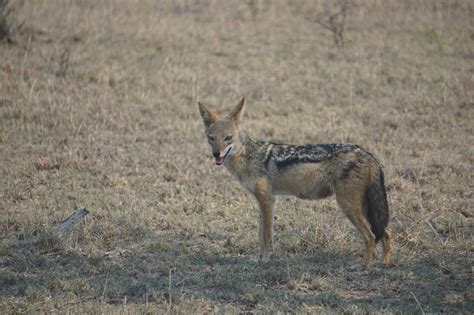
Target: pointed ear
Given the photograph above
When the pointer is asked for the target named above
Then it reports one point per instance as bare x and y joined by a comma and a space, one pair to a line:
238, 112
208, 116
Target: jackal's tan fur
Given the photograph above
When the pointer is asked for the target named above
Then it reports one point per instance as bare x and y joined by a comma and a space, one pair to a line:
313, 171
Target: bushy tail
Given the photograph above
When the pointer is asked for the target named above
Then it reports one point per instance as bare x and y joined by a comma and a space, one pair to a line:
377, 206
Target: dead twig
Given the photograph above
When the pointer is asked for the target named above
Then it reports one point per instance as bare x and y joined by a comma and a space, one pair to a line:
7, 25
4, 28
65, 227
417, 302
63, 63
336, 22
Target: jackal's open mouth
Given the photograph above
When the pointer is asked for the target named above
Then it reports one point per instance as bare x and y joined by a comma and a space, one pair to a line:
220, 160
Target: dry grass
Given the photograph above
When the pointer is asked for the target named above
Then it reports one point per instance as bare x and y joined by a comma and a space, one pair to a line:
98, 110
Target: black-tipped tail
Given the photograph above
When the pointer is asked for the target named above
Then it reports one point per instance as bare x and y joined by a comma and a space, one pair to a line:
377, 206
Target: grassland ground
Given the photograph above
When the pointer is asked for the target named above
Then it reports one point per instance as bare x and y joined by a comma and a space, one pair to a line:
98, 110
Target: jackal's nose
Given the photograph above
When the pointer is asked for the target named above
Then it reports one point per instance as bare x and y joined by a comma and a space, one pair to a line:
216, 154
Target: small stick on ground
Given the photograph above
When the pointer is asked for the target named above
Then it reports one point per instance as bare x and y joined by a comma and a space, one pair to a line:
417, 302
434, 230
65, 227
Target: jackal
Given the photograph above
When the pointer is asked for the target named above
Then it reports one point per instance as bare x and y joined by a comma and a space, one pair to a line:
312, 171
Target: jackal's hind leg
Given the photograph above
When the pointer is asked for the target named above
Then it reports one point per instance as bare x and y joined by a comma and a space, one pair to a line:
387, 248
352, 207
363, 226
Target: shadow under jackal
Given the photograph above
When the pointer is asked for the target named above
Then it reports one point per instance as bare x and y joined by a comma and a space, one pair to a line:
312, 171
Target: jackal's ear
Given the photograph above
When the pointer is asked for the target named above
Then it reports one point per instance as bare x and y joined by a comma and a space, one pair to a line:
208, 116
238, 112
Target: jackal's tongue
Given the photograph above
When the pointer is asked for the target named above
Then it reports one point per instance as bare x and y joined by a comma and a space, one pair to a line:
220, 160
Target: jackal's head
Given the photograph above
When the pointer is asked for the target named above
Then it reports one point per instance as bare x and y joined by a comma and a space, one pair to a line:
222, 132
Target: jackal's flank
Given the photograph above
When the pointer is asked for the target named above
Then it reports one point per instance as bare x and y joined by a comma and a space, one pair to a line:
311, 171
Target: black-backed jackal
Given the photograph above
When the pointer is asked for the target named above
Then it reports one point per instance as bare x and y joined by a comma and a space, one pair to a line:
311, 171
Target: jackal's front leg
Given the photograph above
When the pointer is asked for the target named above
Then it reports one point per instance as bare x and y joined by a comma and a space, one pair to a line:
266, 203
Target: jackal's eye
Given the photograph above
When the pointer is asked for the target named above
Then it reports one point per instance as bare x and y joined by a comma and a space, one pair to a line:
228, 138
211, 138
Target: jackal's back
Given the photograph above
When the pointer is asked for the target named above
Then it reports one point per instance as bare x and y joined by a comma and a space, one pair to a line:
341, 160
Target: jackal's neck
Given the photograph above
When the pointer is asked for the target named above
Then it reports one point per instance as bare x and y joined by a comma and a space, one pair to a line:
245, 141
245, 157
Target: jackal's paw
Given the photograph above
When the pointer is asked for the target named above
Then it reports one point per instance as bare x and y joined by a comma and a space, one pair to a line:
353, 267
357, 267
264, 258
386, 265
261, 258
